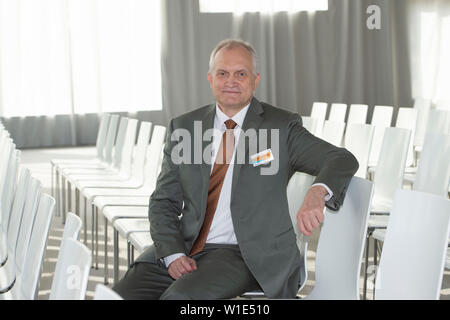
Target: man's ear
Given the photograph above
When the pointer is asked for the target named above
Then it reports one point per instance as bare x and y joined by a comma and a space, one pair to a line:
257, 78
210, 79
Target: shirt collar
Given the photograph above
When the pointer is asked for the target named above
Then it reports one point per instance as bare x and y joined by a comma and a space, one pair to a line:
238, 117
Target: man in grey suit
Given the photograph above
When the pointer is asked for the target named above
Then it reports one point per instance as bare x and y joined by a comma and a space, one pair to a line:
221, 225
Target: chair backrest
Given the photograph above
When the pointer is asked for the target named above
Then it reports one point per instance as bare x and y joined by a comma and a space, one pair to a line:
422, 106
391, 165
110, 138
381, 119
101, 136
406, 119
140, 150
433, 171
5, 157
153, 155
16, 213
310, 124
26, 225
319, 111
9, 190
338, 112
72, 229
33, 260
103, 292
333, 131
72, 271
438, 121
127, 148
297, 188
120, 140
341, 245
357, 113
358, 140
415, 247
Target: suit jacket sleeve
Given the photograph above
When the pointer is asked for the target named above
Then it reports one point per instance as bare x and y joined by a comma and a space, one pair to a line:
165, 206
331, 165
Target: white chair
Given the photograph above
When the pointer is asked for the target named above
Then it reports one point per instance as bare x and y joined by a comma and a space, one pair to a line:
338, 112
388, 179
124, 227
72, 271
310, 124
107, 161
341, 245
433, 175
422, 106
443, 104
103, 292
433, 171
406, 119
18, 245
381, 119
358, 140
333, 131
27, 282
12, 229
72, 229
357, 113
419, 227
438, 121
390, 170
100, 144
319, 112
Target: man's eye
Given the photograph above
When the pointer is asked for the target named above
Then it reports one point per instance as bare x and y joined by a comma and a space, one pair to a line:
242, 74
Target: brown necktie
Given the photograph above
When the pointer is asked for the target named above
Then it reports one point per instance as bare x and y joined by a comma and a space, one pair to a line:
223, 159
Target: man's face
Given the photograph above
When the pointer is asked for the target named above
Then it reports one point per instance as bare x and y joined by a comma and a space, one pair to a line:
232, 80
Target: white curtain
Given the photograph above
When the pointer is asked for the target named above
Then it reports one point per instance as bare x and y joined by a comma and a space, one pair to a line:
79, 56
429, 23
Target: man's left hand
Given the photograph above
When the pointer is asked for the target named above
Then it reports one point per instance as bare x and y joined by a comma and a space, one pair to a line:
310, 215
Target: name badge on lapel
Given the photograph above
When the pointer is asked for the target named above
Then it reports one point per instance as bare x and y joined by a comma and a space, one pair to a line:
262, 157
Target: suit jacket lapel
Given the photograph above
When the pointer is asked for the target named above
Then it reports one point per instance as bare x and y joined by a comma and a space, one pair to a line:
205, 168
252, 120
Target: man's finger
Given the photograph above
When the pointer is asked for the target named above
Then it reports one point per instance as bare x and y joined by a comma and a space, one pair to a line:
302, 226
186, 264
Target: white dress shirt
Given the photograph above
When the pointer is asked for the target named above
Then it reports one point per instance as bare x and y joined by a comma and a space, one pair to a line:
222, 230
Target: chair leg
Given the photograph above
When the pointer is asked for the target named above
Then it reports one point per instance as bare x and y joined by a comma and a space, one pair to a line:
52, 186
366, 265
128, 253
77, 201
106, 251
57, 193
93, 209
132, 254
85, 222
375, 260
116, 256
96, 239
63, 188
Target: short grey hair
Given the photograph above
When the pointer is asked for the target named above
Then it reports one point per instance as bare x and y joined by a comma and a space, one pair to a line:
230, 44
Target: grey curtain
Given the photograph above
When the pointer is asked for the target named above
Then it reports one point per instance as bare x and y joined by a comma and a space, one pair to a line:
328, 56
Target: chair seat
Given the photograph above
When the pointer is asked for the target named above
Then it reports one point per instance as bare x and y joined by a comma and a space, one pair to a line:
98, 192
78, 166
98, 169
131, 182
126, 226
379, 234
380, 205
113, 213
140, 240
378, 221
109, 175
101, 202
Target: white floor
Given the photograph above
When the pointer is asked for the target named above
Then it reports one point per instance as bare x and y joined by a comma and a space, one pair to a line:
38, 161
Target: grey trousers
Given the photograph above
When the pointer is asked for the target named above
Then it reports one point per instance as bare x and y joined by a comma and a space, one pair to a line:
221, 274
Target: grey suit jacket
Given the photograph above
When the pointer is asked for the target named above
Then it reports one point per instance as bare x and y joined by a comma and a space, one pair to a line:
259, 205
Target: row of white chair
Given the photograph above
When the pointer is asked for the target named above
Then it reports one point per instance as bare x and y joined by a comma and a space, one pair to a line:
112, 192
25, 215
25, 218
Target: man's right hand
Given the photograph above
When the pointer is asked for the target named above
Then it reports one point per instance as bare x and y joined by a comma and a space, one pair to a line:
181, 266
